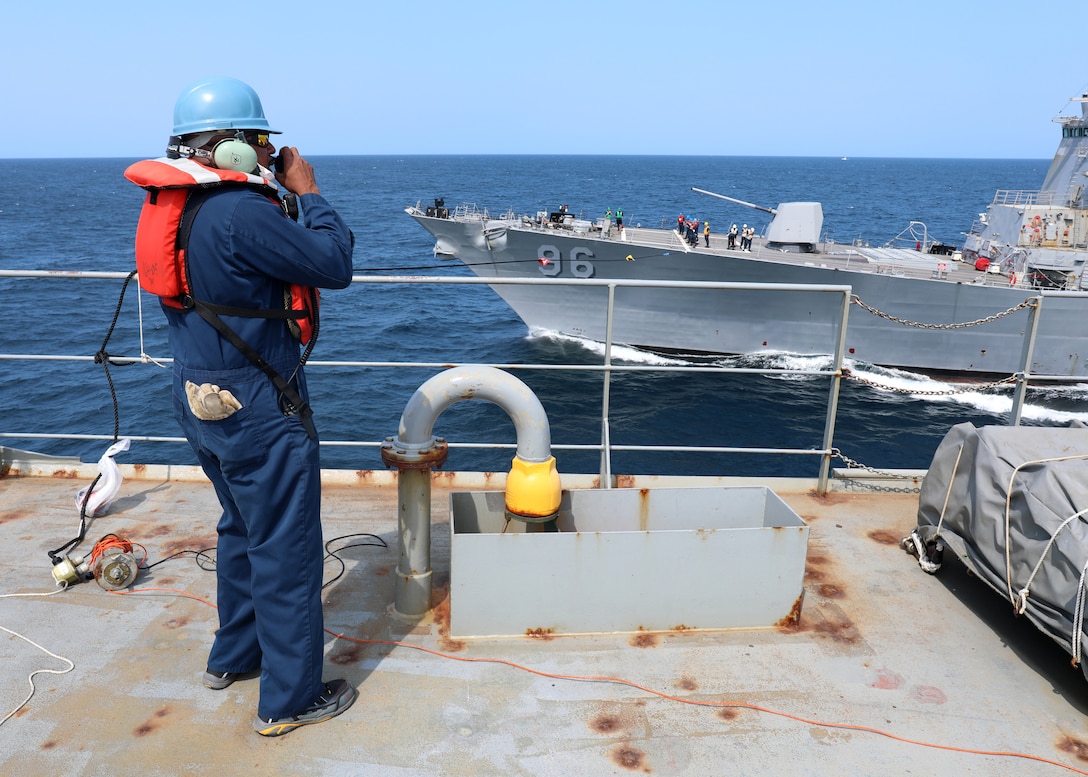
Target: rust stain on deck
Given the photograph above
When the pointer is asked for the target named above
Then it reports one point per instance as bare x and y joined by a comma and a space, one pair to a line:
884, 537
629, 757
1074, 747
644, 640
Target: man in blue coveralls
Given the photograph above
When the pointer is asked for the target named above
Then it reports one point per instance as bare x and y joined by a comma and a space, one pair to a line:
255, 439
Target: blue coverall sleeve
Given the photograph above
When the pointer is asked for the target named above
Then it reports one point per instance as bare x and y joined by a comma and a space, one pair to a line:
316, 252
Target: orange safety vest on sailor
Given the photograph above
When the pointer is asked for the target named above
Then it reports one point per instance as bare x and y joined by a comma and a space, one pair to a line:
161, 241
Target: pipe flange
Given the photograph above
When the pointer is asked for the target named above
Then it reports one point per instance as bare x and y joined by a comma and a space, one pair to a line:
512, 516
400, 456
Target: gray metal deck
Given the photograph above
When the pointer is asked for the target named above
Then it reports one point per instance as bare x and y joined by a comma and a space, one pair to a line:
880, 646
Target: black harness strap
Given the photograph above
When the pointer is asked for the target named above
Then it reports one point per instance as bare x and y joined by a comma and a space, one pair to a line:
292, 403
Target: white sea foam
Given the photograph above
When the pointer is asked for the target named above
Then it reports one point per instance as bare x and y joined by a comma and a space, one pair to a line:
622, 353
996, 401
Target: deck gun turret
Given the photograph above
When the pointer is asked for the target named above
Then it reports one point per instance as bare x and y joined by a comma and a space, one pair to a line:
795, 226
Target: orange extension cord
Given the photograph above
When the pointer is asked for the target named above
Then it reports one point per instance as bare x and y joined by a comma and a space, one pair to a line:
661, 694
113, 541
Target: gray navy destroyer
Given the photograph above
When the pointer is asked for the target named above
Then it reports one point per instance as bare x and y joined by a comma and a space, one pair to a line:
929, 307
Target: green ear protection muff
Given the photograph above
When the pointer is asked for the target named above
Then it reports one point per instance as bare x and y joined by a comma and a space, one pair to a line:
234, 154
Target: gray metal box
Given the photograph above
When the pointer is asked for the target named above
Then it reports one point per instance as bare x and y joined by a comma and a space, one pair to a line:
627, 560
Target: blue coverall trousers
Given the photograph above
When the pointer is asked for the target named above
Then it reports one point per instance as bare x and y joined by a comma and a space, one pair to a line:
266, 472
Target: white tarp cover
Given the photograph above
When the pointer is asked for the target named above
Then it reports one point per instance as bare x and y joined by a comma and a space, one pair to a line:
1016, 492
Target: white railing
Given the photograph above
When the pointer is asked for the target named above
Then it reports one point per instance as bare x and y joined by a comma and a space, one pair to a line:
1024, 197
607, 368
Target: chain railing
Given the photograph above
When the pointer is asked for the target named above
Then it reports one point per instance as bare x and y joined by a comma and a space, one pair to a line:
852, 464
922, 325
974, 388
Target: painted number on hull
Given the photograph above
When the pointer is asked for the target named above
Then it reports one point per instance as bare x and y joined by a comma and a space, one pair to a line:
551, 262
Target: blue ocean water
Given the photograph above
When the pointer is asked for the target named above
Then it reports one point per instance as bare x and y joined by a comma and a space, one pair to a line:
81, 215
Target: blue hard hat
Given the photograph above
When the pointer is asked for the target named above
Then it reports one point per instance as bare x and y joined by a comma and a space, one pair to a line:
219, 103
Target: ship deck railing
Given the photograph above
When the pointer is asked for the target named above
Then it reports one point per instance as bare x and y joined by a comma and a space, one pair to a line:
857, 254
1027, 197
470, 211
607, 367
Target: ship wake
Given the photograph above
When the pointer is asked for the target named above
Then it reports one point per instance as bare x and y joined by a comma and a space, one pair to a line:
1047, 404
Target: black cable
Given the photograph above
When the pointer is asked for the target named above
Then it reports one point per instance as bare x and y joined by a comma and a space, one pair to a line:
101, 357
204, 560
329, 553
207, 562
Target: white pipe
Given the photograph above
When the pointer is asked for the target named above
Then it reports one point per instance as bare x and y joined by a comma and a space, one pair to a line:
477, 382
415, 443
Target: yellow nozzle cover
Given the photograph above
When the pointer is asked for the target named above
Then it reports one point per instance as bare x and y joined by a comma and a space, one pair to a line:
533, 488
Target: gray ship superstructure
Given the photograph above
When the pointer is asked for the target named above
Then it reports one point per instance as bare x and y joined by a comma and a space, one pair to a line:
1040, 237
927, 307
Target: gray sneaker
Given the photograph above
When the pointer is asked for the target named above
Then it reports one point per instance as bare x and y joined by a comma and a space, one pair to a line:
217, 681
336, 698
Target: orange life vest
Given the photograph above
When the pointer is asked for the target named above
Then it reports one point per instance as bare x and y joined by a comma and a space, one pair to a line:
161, 246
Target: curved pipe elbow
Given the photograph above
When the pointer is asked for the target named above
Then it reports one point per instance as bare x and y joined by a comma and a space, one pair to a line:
477, 382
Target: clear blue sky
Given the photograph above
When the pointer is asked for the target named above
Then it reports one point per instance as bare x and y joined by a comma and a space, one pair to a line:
948, 78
